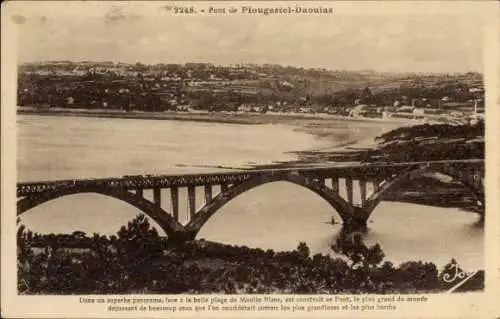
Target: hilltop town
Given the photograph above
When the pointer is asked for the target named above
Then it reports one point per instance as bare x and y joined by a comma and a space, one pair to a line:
250, 88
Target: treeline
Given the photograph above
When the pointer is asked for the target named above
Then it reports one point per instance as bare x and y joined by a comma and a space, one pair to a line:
77, 239
429, 142
437, 131
138, 261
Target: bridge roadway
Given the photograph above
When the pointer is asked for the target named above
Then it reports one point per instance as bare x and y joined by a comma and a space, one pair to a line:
322, 180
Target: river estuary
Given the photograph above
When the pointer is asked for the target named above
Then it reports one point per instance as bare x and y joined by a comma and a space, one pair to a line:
277, 215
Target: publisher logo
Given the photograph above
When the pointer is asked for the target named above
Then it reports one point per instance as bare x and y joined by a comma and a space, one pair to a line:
455, 276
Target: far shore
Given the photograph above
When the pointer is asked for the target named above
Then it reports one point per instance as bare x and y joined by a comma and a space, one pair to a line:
204, 116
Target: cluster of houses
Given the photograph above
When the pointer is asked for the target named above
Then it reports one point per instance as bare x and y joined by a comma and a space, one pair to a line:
446, 108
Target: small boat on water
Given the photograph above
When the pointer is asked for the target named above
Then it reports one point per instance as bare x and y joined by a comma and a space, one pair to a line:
333, 221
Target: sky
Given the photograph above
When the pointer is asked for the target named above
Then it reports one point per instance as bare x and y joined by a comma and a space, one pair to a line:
390, 43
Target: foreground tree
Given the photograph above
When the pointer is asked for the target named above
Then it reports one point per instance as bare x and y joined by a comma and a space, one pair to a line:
360, 255
138, 247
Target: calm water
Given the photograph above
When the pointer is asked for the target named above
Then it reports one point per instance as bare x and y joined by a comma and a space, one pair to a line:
276, 215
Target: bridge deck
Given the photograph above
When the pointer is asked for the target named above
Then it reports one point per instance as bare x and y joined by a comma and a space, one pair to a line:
182, 180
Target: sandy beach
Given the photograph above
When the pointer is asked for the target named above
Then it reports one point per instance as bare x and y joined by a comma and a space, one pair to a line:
221, 117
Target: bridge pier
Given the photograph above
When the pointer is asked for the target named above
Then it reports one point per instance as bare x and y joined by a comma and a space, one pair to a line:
362, 190
192, 201
376, 185
356, 220
349, 190
335, 184
208, 193
355, 223
174, 196
157, 197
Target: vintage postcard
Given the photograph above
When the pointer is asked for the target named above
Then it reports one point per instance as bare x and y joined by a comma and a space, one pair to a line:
233, 159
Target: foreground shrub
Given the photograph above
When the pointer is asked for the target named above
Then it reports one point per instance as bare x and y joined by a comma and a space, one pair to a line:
137, 261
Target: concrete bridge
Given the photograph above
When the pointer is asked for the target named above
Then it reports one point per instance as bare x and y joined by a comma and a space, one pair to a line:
323, 181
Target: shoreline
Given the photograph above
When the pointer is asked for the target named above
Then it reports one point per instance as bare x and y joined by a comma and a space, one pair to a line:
216, 117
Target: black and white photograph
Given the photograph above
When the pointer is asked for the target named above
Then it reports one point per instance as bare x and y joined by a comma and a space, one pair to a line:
257, 149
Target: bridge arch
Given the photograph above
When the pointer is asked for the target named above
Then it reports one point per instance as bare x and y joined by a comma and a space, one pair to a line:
374, 199
160, 216
207, 211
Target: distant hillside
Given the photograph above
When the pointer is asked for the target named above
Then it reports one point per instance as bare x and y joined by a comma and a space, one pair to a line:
303, 81
147, 87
